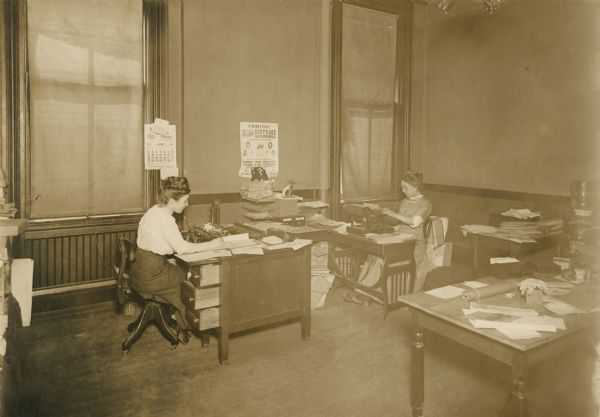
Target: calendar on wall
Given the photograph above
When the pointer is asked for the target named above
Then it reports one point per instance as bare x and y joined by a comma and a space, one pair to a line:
160, 145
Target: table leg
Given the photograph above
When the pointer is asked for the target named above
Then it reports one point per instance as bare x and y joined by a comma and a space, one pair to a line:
223, 345
305, 320
417, 383
518, 396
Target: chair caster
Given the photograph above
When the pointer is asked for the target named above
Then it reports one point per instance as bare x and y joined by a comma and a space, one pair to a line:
173, 347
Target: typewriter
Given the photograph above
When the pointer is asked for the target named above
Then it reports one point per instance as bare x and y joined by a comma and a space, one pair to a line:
366, 219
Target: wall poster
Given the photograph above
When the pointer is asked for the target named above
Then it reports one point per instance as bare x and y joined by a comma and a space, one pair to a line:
259, 148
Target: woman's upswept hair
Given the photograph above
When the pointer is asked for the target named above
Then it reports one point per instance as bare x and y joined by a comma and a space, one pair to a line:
173, 187
414, 178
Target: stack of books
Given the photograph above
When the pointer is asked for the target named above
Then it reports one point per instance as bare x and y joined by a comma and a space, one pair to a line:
262, 209
258, 201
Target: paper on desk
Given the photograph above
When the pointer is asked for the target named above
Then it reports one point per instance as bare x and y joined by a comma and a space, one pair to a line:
313, 204
521, 213
519, 334
387, 238
555, 321
503, 260
238, 241
446, 292
511, 325
294, 244
300, 243
272, 240
248, 250
477, 228
204, 255
561, 308
475, 284
494, 309
235, 238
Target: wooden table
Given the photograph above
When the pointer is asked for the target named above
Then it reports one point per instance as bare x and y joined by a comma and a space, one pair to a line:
257, 290
348, 251
482, 242
445, 317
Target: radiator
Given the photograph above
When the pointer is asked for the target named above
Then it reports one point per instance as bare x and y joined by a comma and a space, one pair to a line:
68, 257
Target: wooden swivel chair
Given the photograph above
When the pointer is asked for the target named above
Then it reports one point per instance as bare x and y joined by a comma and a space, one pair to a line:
152, 311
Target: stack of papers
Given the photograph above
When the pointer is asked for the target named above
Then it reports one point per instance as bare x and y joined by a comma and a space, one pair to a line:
313, 204
204, 255
321, 222
477, 228
521, 213
386, 238
294, 244
475, 307
503, 260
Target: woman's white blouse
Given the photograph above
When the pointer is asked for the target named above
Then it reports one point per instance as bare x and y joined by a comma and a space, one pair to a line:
159, 233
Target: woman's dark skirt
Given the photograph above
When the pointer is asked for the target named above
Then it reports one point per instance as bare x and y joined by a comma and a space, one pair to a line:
152, 275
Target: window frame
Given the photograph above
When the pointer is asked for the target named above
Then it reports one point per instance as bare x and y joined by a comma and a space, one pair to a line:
15, 92
401, 129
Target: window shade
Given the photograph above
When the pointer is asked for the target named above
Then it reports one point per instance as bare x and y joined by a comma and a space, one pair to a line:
85, 72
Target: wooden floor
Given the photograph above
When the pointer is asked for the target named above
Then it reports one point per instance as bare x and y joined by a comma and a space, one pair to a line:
355, 364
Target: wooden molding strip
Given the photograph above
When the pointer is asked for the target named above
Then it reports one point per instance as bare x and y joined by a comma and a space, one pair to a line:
498, 194
197, 199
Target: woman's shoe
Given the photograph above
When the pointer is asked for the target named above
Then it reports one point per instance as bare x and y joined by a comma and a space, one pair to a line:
356, 299
183, 336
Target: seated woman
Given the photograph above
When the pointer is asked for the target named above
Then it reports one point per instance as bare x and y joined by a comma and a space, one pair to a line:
413, 212
158, 236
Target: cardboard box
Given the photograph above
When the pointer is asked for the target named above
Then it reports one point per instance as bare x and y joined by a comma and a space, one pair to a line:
286, 206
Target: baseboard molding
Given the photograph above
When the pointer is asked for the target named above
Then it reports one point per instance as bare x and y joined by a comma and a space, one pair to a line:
74, 299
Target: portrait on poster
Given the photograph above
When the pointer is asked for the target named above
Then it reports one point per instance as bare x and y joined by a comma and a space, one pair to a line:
259, 148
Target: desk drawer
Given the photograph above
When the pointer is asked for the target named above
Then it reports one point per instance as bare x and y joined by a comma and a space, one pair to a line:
196, 298
204, 319
204, 275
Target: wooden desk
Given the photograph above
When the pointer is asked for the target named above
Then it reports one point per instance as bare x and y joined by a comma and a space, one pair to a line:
445, 317
258, 290
480, 243
348, 251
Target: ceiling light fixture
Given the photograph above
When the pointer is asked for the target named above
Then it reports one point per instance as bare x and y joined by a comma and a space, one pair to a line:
490, 6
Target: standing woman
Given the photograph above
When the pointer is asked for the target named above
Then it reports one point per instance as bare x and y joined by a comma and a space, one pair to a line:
413, 212
158, 236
